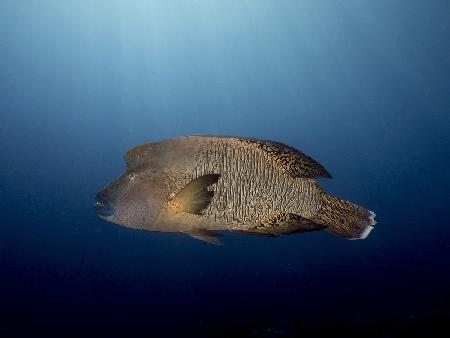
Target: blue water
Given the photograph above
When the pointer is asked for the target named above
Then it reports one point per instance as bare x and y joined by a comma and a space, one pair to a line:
361, 86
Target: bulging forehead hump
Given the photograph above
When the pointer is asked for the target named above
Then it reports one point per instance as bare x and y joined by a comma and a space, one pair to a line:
159, 154
138, 156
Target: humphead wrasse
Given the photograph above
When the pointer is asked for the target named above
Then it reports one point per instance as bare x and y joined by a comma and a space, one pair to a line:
201, 184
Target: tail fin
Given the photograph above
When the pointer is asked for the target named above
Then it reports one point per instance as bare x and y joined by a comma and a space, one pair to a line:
345, 219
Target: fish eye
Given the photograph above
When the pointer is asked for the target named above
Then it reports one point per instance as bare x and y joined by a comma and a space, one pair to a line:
131, 175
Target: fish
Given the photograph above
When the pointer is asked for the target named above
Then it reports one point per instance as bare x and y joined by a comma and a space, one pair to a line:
202, 185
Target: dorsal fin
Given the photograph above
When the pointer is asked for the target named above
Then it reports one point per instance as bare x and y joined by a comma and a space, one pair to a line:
288, 159
195, 197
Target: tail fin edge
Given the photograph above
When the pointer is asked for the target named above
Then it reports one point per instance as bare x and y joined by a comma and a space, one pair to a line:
344, 218
369, 227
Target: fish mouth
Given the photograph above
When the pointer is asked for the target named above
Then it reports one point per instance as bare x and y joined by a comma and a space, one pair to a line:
103, 209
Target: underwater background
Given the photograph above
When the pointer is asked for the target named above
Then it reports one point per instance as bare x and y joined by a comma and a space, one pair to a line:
363, 87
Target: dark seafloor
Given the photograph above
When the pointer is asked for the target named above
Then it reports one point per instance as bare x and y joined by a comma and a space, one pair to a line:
361, 86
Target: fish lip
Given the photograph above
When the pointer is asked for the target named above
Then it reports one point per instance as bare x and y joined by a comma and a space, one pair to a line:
103, 210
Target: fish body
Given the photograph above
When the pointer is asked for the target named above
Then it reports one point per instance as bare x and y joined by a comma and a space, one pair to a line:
198, 184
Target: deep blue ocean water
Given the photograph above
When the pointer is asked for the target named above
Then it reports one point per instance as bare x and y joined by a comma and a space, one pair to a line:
361, 86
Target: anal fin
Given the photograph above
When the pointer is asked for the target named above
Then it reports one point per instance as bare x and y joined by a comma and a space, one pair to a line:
261, 234
285, 223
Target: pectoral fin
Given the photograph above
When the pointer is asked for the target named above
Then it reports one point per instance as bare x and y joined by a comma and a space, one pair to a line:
205, 235
195, 196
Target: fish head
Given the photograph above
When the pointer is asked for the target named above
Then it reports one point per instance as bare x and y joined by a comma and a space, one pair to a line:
132, 200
